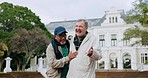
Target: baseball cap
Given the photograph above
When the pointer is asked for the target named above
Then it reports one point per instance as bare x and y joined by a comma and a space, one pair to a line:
59, 30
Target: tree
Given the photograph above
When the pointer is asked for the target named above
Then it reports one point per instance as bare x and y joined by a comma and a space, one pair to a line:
139, 14
3, 50
18, 21
27, 44
14, 16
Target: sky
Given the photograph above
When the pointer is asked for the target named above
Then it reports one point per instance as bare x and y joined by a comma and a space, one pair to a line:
62, 10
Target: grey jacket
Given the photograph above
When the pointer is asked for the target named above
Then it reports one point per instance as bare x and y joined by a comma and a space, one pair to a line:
53, 63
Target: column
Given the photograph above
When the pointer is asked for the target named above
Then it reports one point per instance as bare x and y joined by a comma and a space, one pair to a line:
7, 68
40, 64
120, 60
40, 68
107, 63
133, 59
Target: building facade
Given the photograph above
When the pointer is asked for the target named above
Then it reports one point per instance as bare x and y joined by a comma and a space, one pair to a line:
117, 53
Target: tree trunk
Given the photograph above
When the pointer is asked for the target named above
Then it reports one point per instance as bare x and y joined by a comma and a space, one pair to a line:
27, 60
18, 66
1, 64
23, 67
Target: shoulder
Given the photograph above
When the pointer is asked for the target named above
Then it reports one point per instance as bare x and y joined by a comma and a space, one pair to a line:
49, 47
92, 36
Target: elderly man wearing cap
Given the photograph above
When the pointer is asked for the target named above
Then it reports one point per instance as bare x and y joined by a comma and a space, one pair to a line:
58, 55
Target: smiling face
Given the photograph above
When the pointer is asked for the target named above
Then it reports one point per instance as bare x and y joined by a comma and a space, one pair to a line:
80, 28
61, 38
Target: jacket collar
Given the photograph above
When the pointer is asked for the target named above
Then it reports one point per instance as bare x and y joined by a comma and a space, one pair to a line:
85, 39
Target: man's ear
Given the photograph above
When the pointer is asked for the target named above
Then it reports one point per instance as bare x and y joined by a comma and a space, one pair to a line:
55, 36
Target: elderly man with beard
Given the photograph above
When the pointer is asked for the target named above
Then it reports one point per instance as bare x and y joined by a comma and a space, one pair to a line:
58, 54
83, 66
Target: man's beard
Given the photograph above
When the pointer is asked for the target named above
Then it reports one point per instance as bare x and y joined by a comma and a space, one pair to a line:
62, 42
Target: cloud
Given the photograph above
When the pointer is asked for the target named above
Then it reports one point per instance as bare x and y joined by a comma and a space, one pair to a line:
59, 10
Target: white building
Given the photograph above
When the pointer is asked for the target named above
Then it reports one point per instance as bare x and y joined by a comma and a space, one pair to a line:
117, 53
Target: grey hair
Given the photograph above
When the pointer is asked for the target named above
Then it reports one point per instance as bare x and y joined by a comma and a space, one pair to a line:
85, 22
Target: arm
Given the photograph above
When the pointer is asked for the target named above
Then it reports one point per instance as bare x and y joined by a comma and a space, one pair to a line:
94, 52
58, 63
51, 58
96, 55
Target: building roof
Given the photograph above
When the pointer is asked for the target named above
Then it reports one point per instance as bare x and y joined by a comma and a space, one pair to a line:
70, 24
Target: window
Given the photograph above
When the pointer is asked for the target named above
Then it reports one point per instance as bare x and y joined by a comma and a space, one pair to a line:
113, 19
116, 20
126, 60
109, 19
101, 40
113, 40
126, 42
144, 58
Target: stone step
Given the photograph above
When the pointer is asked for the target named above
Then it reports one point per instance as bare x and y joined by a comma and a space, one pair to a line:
127, 74
22, 75
5, 75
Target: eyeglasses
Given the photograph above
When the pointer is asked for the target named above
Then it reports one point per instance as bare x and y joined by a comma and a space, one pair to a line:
62, 35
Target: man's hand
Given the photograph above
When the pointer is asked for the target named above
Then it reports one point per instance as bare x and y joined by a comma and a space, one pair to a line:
72, 55
90, 52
